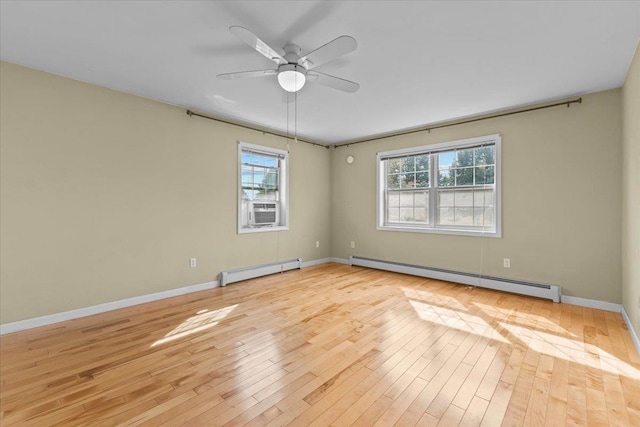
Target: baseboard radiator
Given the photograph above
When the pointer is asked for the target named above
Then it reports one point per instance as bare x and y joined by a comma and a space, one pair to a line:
539, 290
240, 274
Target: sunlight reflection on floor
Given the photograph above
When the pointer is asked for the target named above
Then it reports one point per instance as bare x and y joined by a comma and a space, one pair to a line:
572, 350
539, 320
456, 320
426, 295
203, 320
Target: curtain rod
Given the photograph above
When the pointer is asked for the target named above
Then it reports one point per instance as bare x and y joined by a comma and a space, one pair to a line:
455, 123
264, 131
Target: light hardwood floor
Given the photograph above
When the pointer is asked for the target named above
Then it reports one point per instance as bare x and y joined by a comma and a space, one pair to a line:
328, 345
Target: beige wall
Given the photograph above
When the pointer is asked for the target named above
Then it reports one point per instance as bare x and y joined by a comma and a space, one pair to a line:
561, 201
106, 196
631, 192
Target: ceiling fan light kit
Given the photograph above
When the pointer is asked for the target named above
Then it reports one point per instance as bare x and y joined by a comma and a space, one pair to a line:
291, 77
292, 69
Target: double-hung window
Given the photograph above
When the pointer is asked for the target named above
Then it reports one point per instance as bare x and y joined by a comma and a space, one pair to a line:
262, 186
448, 188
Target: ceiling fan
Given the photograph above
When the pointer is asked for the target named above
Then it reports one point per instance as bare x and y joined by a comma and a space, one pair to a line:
293, 70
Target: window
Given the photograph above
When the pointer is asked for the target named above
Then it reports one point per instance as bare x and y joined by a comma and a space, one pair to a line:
262, 186
450, 188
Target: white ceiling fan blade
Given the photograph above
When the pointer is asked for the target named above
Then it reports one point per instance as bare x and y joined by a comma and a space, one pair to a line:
247, 74
252, 40
332, 81
332, 50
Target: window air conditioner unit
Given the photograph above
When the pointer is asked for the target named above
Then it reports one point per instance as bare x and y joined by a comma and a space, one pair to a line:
263, 213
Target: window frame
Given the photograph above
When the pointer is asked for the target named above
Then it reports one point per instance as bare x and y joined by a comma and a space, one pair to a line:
432, 196
283, 187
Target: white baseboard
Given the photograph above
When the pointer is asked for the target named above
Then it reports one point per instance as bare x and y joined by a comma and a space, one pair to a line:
311, 263
591, 303
340, 261
49, 319
632, 330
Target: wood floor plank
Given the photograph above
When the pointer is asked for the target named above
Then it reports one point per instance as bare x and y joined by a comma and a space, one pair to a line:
475, 412
401, 404
328, 345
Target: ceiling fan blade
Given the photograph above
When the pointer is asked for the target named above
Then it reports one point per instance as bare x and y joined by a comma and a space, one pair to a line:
252, 40
246, 74
332, 81
332, 50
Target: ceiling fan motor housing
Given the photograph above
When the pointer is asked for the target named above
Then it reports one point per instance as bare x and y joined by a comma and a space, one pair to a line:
292, 53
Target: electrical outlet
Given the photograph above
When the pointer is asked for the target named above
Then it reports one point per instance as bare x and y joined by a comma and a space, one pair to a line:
193, 263
353, 245
506, 262
317, 243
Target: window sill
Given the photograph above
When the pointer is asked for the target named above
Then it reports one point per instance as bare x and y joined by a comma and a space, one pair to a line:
450, 231
262, 229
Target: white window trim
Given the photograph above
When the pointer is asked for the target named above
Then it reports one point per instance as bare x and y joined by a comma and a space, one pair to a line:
460, 230
284, 187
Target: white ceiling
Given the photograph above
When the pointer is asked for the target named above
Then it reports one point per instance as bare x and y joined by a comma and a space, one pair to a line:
417, 62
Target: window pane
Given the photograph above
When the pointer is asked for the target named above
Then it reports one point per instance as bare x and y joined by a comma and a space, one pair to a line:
258, 175
421, 214
406, 214
408, 164
445, 178
466, 207
464, 176
483, 217
259, 182
271, 179
393, 214
393, 182
464, 216
464, 199
271, 162
445, 199
484, 175
411, 180
421, 206
394, 166
407, 207
422, 163
484, 156
393, 199
422, 180
247, 175
445, 159
483, 197
406, 199
402, 179
446, 216
259, 160
464, 158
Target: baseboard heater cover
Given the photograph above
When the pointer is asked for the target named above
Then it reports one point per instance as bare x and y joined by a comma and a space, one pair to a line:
241, 274
539, 290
